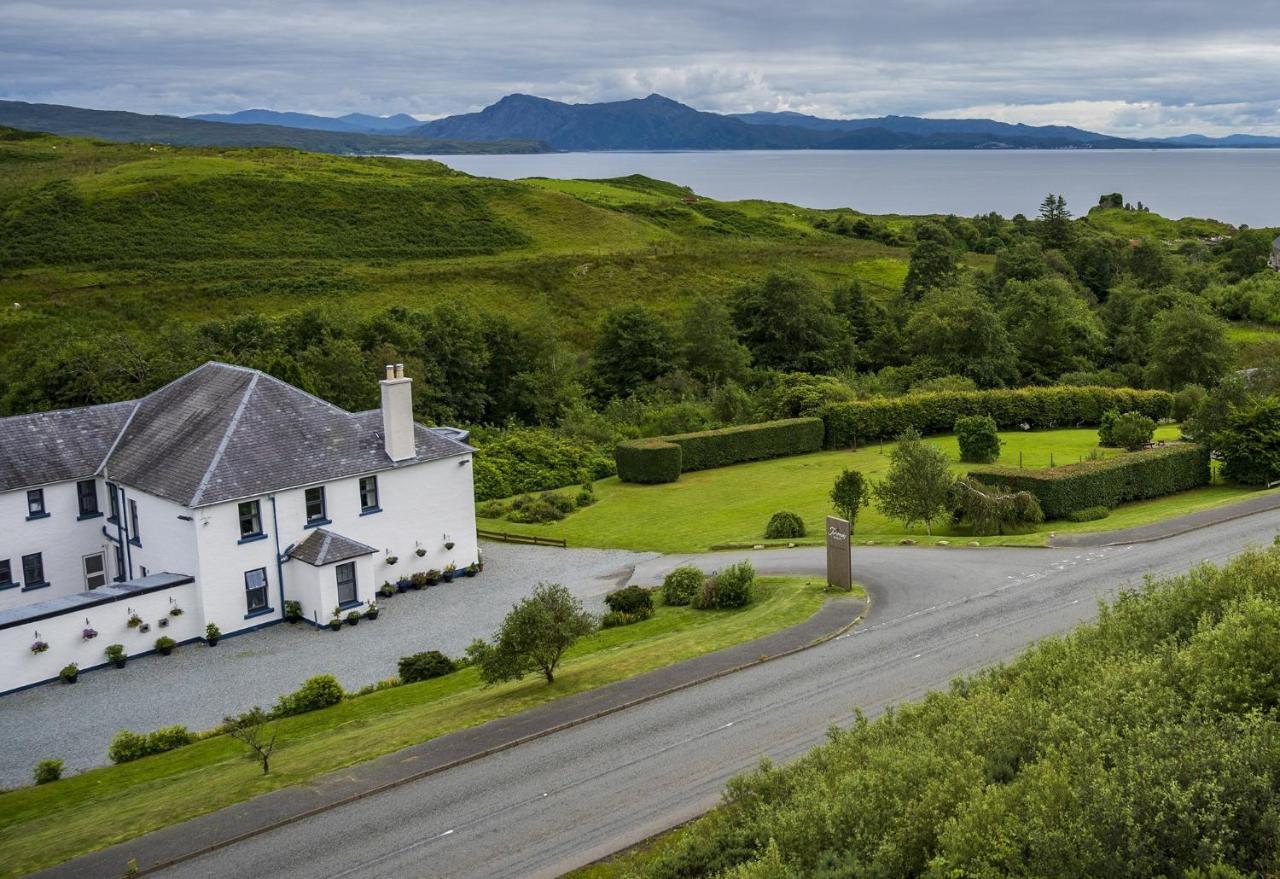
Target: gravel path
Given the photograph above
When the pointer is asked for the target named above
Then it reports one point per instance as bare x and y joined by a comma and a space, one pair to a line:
198, 686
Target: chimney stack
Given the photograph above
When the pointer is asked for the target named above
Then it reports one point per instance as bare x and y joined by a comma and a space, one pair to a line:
397, 414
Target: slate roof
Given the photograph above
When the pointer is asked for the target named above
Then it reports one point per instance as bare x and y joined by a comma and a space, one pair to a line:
57, 446
216, 434
325, 548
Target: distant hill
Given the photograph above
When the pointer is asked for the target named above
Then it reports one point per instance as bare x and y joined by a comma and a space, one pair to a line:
361, 123
659, 123
118, 125
1231, 140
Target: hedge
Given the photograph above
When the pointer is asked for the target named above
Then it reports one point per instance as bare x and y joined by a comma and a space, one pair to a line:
864, 421
1129, 477
664, 458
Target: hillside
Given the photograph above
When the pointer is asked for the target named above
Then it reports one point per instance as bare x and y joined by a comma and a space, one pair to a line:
360, 122
99, 238
116, 125
659, 123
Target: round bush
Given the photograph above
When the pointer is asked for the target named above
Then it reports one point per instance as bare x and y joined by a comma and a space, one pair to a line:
47, 771
783, 525
1132, 431
127, 746
1088, 514
630, 600
315, 693
682, 585
425, 666
730, 588
977, 437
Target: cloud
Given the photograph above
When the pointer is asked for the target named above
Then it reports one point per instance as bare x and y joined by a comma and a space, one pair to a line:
1144, 68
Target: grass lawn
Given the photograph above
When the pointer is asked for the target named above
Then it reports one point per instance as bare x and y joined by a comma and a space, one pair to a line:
42, 826
731, 505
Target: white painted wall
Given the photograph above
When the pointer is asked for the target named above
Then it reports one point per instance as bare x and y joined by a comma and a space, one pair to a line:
60, 537
64, 634
420, 504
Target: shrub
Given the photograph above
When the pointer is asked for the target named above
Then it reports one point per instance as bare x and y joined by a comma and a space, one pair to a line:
976, 435
293, 610
648, 461
783, 525
991, 511
1250, 444
1132, 431
127, 746
561, 502
664, 458
882, 418
631, 600
519, 460
315, 693
491, 509
167, 738
165, 644
425, 666
47, 771
1088, 514
615, 618
1135, 476
1107, 427
730, 588
586, 497
115, 652
69, 672
536, 512
682, 586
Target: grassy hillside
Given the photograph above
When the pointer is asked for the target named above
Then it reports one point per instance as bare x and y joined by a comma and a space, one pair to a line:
129, 237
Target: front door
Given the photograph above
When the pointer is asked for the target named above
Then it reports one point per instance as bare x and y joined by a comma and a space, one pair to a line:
95, 570
346, 583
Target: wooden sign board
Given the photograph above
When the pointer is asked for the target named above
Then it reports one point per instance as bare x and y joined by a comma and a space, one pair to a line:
839, 563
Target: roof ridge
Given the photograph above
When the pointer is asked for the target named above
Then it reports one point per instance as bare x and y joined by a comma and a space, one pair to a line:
226, 438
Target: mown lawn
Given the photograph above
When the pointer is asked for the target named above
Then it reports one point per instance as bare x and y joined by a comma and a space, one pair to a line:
731, 505
41, 826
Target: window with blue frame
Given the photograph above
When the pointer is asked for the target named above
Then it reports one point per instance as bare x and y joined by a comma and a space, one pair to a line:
315, 505
113, 503
250, 519
87, 497
369, 494
135, 535
121, 575
35, 504
6, 574
33, 571
255, 590
346, 575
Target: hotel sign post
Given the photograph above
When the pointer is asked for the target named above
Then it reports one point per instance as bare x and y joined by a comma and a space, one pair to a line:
839, 563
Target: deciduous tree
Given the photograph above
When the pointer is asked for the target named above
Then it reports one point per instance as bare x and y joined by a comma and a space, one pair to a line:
533, 636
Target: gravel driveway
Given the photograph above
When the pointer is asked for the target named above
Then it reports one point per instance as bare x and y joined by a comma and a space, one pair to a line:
198, 686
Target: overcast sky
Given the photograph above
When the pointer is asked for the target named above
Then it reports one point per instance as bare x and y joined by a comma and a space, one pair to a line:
1119, 66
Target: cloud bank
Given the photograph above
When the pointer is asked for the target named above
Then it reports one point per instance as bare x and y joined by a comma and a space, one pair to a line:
1131, 69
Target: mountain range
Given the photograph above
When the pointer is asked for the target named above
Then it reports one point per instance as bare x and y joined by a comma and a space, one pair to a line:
525, 123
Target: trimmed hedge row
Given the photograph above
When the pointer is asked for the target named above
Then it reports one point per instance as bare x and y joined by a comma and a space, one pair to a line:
880, 419
664, 458
1130, 477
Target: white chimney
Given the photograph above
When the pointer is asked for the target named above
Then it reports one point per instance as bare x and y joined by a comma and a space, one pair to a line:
397, 414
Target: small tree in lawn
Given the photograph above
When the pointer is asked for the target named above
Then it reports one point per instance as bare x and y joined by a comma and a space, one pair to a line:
533, 636
252, 730
918, 485
850, 494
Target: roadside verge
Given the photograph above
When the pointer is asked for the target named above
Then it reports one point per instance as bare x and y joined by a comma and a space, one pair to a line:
207, 833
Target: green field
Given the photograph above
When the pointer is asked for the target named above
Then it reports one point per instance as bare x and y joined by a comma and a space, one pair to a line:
731, 505
41, 826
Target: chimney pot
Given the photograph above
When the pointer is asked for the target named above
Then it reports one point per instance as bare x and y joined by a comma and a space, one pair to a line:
391, 372
399, 370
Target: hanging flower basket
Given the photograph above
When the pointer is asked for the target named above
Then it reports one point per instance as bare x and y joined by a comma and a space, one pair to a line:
175, 611
38, 646
391, 559
420, 551
89, 634
134, 621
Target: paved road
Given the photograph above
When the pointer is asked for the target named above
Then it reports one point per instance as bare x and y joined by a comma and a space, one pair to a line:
562, 801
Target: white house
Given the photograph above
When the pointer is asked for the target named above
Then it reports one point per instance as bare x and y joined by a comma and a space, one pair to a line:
1274, 260
223, 494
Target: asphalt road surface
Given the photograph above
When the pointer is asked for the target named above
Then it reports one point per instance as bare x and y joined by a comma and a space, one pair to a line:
554, 804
